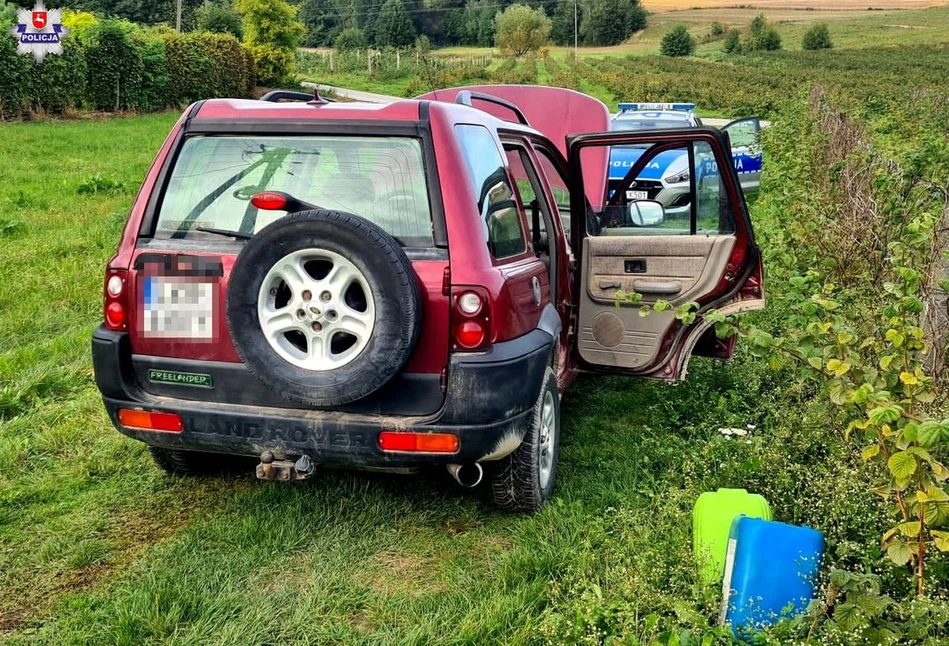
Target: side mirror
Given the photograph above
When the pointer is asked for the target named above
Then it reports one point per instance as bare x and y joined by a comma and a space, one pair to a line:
646, 213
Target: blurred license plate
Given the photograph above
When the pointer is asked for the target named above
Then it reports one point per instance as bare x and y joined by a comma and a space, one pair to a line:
177, 308
637, 195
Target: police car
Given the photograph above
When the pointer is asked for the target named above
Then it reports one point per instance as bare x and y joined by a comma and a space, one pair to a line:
665, 178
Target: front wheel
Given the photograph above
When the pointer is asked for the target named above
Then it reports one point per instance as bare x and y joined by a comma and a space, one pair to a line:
524, 480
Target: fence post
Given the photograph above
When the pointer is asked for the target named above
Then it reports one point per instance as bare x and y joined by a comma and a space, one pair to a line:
398, 60
331, 60
369, 59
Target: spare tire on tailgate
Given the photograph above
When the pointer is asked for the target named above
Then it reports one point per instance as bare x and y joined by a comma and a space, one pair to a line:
323, 307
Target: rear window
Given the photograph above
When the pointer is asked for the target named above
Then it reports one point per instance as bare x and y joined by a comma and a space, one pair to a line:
381, 179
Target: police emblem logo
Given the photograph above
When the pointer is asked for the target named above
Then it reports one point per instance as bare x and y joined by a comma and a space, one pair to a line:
39, 32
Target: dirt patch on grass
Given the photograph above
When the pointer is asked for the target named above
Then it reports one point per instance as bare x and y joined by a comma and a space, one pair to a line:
11, 620
129, 537
404, 574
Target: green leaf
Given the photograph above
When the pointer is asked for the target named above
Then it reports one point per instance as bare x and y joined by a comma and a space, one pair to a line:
930, 433
894, 337
922, 454
940, 472
908, 378
870, 452
910, 529
940, 540
760, 338
902, 465
847, 616
936, 494
884, 414
872, 605
841, 578
899, 552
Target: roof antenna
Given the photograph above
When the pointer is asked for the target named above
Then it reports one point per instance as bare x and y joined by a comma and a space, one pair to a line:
317, 99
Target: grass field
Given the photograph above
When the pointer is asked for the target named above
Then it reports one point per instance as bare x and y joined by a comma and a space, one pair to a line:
810, 5
849, 29
98, 547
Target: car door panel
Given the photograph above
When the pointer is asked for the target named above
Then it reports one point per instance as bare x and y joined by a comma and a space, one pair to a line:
677, 269
677, 261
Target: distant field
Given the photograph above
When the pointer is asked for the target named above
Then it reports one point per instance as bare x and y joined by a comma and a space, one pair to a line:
849, 29
816, 5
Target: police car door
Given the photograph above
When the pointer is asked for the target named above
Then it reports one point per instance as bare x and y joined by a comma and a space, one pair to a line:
746, 151
640, 241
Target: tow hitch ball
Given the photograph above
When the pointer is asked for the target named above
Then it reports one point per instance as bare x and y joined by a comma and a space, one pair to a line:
271, 468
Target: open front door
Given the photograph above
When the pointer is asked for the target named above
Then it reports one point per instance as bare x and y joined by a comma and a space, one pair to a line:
675, 229
746, 151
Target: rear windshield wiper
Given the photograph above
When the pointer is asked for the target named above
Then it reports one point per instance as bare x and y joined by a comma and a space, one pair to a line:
240, 235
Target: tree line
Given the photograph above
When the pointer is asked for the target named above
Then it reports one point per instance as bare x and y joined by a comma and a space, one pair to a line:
399, 22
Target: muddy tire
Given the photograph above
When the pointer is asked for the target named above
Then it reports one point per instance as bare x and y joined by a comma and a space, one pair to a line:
324, 307
524, 480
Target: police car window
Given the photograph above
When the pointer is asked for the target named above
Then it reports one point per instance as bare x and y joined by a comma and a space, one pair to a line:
677, 191
648, 124
743, 133
713, 208
502, 220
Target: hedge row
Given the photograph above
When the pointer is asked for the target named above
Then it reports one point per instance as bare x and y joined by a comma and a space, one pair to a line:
114, 65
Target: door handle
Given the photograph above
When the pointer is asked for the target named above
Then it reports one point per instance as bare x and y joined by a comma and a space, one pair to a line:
610, 284
662, 287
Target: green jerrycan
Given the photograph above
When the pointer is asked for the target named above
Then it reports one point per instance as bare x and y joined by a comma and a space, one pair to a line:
711, 520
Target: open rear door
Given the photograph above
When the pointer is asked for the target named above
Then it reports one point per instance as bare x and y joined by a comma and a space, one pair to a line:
682, 236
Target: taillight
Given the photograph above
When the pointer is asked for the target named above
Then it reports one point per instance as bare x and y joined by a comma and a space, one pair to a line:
470, 318
116, 299
418, 442
150, 420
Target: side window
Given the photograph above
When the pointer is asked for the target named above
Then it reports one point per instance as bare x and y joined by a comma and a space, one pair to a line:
501, 218
677, 191
516, 162
558, 186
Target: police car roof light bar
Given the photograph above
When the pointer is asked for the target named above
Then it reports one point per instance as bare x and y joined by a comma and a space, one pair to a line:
641, 107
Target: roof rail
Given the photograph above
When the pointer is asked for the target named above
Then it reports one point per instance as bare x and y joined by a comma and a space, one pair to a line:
275, 96
465, 97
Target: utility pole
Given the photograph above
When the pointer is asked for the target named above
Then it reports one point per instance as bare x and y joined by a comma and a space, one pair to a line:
178, 18
575, 38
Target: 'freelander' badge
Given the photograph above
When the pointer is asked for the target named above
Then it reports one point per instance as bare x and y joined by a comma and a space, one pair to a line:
39, 32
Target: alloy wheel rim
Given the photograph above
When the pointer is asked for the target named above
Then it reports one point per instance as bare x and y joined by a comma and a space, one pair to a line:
316, 310
548, 432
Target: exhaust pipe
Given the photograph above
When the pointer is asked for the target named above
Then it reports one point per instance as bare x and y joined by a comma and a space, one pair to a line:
468, 475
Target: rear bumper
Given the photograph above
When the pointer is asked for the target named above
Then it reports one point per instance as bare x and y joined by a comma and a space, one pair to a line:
488, 403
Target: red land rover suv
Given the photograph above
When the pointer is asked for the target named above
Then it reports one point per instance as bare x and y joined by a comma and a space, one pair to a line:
387, 287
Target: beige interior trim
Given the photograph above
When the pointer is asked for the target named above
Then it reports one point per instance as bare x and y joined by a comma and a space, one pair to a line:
619, 336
